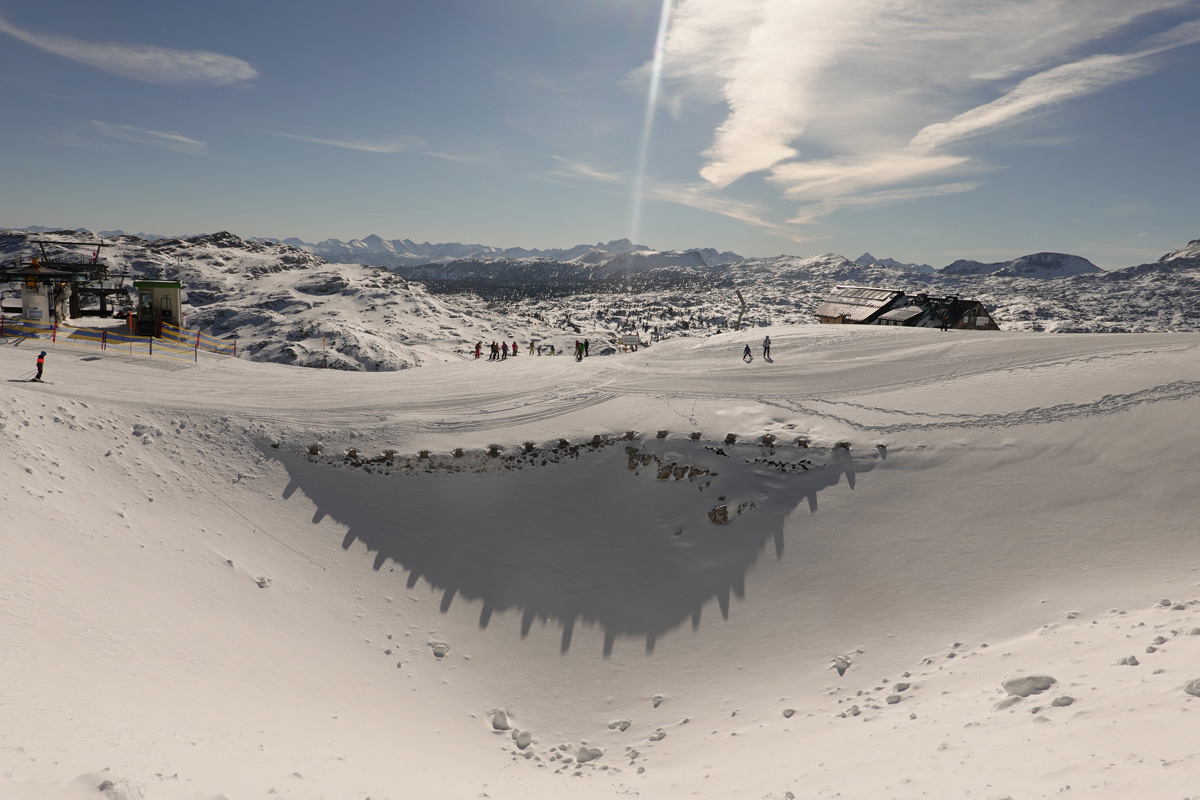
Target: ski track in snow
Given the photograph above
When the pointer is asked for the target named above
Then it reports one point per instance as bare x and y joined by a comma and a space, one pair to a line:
1109, 404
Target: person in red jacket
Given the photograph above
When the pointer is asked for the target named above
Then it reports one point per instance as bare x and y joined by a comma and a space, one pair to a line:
41, 363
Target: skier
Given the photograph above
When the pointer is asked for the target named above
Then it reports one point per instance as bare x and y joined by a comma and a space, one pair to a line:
478, 349
514, 348
767, 349
533, 342
747, 356
504, 351
40, 363
585, 348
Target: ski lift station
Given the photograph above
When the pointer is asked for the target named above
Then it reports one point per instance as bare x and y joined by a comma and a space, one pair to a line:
55, 287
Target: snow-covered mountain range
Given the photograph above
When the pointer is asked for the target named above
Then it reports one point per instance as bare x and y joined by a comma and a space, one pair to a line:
287, 305
1035, 265
374, 250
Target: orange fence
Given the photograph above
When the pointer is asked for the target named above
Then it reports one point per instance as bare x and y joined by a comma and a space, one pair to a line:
176, 343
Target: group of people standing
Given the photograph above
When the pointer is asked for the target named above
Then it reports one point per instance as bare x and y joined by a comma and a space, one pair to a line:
498, 352
501, 352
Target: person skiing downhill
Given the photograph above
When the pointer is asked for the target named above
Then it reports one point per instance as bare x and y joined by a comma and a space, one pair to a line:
747, 356
767, 349
40, 363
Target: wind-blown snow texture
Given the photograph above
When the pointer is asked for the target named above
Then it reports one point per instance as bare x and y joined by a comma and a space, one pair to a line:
888, 563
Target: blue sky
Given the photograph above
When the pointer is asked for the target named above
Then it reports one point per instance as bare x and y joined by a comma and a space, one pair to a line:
924, 130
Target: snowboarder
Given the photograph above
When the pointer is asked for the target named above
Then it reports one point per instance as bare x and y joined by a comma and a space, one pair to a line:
767, 349
747, 356
40, 363
533, 342
946, 320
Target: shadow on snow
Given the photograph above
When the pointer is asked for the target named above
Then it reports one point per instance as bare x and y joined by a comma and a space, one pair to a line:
589, 538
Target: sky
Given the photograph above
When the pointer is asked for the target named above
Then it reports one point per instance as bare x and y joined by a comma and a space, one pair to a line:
922, 130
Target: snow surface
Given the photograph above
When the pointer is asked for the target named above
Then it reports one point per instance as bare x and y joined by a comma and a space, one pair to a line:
194, 606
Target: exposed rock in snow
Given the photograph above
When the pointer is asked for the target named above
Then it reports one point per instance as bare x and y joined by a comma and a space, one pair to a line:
1025, 685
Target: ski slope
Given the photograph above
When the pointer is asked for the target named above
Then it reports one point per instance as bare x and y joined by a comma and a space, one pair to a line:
195, 606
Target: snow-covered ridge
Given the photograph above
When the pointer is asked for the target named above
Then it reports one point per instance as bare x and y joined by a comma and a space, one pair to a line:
1035, 265
1191, 251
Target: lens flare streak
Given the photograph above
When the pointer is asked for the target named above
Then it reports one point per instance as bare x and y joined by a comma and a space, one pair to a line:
639, 178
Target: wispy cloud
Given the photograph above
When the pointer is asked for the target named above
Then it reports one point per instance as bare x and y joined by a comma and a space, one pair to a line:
814, 212
570, 168
158, 65
398, 144
698, 195
891, 93
456, 157
175, 142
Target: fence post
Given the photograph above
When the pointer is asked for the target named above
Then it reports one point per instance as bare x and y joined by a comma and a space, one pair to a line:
104, 340
151, 345
197, 347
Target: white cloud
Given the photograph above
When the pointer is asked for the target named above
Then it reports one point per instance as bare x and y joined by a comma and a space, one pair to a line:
877, 90
816, 211
175, 142
158, 65
572, 169
697, 195
1044, 89
835, 177
398, 144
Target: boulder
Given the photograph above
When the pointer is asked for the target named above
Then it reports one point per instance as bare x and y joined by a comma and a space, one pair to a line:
1025, 685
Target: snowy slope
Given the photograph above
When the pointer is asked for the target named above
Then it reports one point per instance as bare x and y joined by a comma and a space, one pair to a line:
198, 608
288, 306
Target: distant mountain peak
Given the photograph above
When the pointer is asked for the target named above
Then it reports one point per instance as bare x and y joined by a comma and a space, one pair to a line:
1034, 265
868, 260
